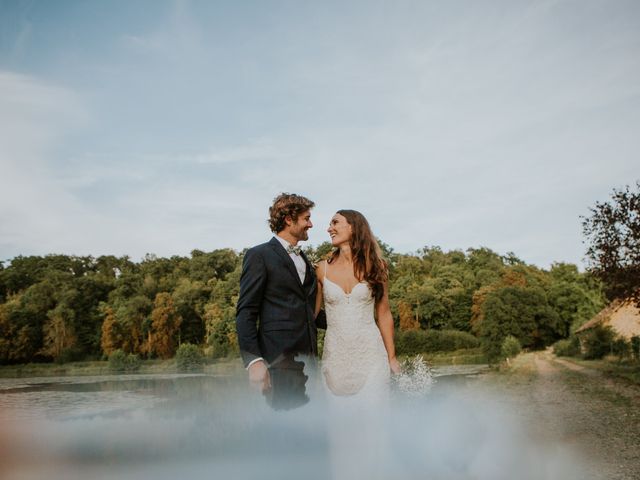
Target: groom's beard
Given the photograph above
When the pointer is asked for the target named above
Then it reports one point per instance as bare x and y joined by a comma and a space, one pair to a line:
303, 235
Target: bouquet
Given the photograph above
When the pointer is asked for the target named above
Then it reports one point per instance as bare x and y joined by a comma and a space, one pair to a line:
416, 377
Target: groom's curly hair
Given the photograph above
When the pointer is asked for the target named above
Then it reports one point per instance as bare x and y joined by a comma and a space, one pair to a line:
287, 205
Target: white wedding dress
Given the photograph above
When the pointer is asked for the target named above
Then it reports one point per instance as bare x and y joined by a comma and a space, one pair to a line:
356, 376
354, 360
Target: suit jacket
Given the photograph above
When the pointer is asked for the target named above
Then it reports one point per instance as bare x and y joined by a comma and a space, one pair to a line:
275, 311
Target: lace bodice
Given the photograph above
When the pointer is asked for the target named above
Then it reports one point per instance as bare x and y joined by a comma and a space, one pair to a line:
354, 356
358, 305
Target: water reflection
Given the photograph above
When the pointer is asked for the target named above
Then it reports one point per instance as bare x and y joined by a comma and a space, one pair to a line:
211, 426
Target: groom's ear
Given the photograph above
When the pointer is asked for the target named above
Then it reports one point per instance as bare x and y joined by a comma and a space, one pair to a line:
288, 220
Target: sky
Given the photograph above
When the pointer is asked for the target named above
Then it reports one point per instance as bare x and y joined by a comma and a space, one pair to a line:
134, 127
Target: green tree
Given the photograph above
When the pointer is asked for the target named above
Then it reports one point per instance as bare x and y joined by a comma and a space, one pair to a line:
574, 298
612, 232
522, 312
221, 335
485, 265
84, 296
316, 254
131, 316
59, 334
3, 286
217, 264
189, 298
29, 317
510, 347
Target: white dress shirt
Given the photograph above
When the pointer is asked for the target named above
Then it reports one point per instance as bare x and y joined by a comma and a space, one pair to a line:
301, 268
298, 261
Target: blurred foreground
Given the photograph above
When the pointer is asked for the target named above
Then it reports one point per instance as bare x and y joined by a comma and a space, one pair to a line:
212, 426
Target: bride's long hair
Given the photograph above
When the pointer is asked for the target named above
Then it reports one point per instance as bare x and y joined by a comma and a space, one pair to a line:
366, 255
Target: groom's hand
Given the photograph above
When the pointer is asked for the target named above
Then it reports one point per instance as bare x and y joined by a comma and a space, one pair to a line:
259, 376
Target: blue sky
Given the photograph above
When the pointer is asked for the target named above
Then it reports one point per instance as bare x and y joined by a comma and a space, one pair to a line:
129, 127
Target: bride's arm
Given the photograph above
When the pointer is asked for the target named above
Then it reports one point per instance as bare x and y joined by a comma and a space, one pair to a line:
385, 324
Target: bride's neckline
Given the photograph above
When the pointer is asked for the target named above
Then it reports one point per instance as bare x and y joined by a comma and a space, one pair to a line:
342, 289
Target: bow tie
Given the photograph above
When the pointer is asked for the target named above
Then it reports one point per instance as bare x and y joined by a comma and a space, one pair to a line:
291, 249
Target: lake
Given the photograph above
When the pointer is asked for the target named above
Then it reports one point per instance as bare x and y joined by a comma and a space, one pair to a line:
212, 426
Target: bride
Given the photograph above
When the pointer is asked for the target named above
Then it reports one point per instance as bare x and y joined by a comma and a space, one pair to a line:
358, 353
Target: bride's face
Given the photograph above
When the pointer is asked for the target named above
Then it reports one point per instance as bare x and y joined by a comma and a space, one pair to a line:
339, 230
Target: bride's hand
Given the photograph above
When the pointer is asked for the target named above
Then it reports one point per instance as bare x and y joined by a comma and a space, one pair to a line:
394, 365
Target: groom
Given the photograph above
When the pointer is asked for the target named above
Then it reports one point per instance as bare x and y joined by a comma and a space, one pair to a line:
275, 312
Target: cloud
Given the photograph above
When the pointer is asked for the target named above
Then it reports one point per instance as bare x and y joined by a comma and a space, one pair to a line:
179, 38
259, 150
34, 116
461, 126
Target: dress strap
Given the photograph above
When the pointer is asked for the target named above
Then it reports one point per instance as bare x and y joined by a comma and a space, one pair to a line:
326, 262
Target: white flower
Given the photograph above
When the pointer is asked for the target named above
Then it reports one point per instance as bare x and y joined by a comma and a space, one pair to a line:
416, 377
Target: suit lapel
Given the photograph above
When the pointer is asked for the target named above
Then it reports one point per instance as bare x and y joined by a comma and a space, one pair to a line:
310, 279
279, 249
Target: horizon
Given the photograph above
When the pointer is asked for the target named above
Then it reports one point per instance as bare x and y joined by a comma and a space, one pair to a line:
581, 267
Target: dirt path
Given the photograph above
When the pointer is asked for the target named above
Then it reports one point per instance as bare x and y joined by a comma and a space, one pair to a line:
596, 415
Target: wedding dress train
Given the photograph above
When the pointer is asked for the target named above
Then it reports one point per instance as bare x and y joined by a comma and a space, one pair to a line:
356, 376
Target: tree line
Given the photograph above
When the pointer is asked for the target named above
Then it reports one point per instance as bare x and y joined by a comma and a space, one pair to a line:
63, 308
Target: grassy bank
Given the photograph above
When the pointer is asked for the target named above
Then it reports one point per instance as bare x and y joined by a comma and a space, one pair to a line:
102, 368
467, 356
629, 371
54, 369
458, 357
523, 367
520, 370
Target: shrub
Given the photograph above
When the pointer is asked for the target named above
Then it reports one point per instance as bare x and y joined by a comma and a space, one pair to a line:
69, 355
597, 342
568, 347
218, 349
189, 358
117, 361
414, 342
635, 347
222, 340
621, 348
132, 363
121, 362
510, 347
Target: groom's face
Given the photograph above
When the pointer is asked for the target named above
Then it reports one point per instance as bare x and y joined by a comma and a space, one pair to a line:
299, 228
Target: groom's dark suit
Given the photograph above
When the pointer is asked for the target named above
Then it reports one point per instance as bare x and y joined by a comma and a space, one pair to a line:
275, 317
